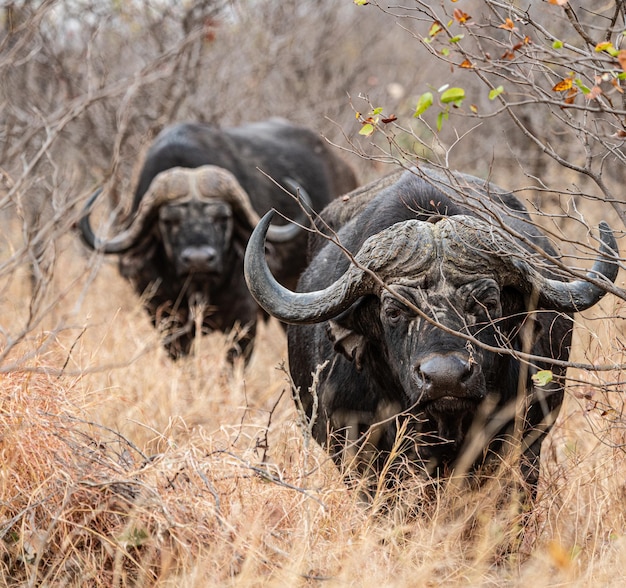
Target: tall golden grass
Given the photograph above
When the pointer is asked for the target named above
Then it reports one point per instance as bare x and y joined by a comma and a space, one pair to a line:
123, 468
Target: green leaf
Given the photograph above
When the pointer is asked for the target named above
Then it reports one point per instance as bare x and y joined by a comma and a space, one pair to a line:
367, 129
608, 47
557, 44
542, 377
621, 76
456, 39
496, 92
584, 89
454, 95
435, 28
423, 104
360, 2
440, 118
445, 52
378, 110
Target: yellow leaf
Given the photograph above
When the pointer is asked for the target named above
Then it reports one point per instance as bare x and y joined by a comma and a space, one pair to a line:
563, 85
366, 130
608, 47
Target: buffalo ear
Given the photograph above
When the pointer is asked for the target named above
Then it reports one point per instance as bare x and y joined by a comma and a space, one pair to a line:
345, 337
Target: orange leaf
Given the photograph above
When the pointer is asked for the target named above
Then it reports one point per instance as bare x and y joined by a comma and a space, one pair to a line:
467, 64
508, 25
621, 57
571, 95
558, 2
389, 119
460, 16
563, 85
617, 86
593, 93
560, 557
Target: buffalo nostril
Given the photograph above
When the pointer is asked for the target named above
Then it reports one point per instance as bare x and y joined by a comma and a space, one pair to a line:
199, 258
445, 374
198, 254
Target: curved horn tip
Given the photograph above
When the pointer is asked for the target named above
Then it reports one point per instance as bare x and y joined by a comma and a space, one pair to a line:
606, 266
256, 244
84, 224
260, 231
92, 199
266, 219
607, 237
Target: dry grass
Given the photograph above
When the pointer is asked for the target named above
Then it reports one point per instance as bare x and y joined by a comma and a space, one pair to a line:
193, 474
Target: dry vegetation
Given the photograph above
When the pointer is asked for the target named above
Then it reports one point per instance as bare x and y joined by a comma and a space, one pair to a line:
119, 467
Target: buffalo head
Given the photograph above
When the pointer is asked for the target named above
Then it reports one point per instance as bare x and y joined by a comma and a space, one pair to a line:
434, 312
195, 212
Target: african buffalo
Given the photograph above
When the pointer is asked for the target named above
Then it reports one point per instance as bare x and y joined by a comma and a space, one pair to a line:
452, 302
200, 193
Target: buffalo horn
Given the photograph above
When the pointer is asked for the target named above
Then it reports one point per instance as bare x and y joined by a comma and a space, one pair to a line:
181, 184
407, 249
577, 295
409, 243
170, 185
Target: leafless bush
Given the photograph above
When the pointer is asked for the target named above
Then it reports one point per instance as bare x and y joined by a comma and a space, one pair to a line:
86, 86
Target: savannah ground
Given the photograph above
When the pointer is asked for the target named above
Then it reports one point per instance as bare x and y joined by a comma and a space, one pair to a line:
120, 467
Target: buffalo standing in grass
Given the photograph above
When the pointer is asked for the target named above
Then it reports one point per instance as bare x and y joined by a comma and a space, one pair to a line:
427, 329
200, 194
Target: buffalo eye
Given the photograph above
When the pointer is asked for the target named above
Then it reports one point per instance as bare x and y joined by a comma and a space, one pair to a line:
170, 216
484, 299
222, 221
171, 222
394, 311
